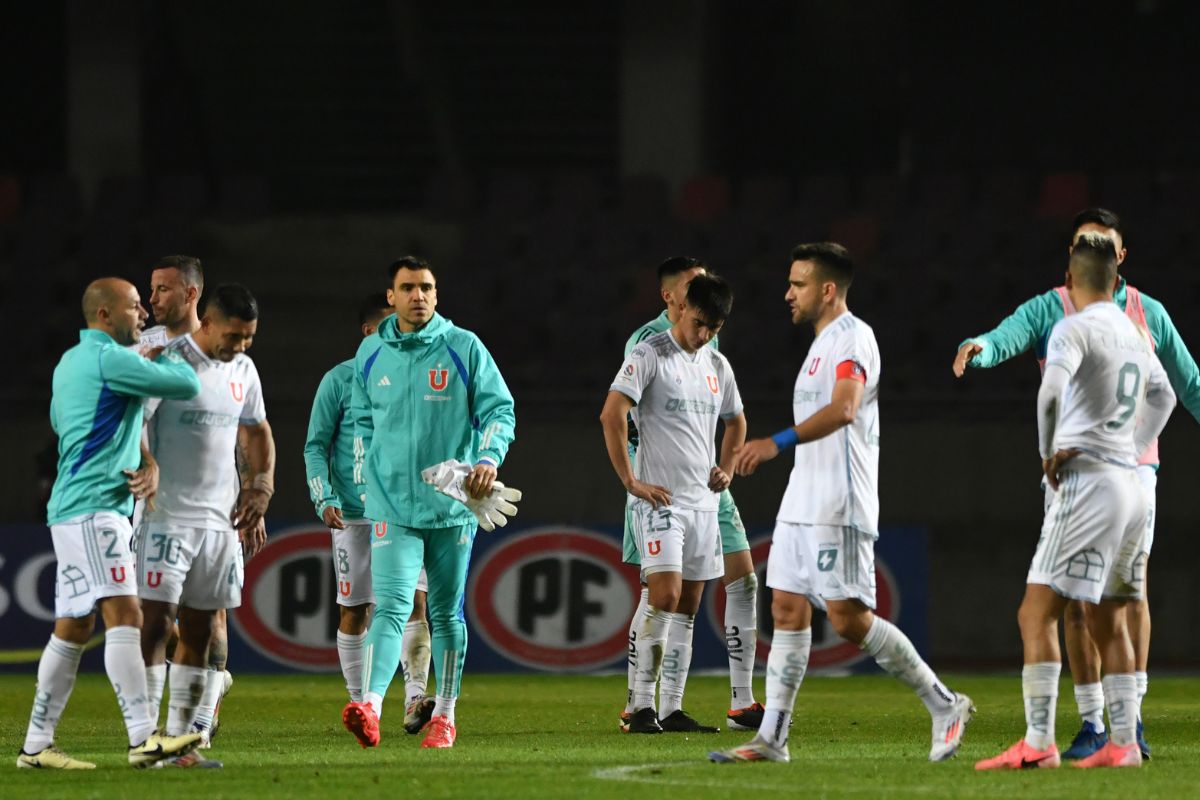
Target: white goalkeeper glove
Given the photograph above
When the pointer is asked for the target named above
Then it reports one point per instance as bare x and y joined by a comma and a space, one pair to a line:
492, 511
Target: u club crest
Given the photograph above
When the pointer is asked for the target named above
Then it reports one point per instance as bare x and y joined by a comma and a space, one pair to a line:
438, 379
236, 390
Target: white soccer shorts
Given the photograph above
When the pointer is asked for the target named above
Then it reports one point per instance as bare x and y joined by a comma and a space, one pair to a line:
822, 562
94, 562
675, 539
352, 564
1093, 538
194, 567
1148, 477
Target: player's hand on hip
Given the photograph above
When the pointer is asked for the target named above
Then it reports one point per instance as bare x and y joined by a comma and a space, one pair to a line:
479, 483
1052, 465
332, 516
747, 457
251, 506
143, 481
965, 354
718, 481
654, 495
253, 538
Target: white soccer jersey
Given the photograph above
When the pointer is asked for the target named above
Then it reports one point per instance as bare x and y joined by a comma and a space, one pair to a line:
1111, 365
835, 480
679, 396
194, 440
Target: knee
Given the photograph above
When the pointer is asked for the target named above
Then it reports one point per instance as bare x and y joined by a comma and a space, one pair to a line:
1076, 615
353, 619
1030, 619
418, 609
665, 598
850, 624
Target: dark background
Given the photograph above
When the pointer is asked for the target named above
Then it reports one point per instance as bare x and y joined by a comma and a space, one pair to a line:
545, 158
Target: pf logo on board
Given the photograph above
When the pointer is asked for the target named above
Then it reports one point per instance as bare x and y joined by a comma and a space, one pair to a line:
289, 609
555, 599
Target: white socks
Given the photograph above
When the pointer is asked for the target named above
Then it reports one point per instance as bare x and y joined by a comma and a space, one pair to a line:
651, 638
1121, 693
156, 683
785, 671
676, 660
1089, 697
893, 651
741, 638
207, 710
444, 707
55, 680
187, 690
1039, 684
127, 674
350, 655
1143, 686
414, 658
375, 701
635, 624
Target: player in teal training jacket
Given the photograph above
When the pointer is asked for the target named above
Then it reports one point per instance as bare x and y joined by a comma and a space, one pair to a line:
333, 465
96, 410
425, 391
1030, 326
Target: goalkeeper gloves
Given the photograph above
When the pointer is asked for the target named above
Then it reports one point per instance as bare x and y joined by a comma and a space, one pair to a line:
492, 511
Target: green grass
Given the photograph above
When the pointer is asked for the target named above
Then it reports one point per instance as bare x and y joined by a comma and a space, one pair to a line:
543, 736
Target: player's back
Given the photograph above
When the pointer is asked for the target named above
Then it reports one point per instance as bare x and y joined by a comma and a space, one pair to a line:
194, 440
1110, 363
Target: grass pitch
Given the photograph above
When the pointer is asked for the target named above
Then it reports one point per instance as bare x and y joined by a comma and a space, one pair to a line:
532, 736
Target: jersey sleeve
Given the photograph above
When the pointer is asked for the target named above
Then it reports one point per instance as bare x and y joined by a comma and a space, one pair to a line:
492, 407
1017, 332
1178, 363
169, 376
1066, 348
854, 347
254, 410
731, 398
360, 403
640, 335
322, 425
638, 369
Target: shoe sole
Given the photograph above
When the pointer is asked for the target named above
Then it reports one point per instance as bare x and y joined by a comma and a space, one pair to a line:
422, 719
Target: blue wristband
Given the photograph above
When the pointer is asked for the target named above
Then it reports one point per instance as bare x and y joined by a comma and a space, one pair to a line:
786, 438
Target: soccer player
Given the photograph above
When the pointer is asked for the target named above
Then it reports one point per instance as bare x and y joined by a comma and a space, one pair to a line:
823, 548
425, 391
333, 463
1104, 397
675, 387
741, 582
96, 410
1030, 326
188, 547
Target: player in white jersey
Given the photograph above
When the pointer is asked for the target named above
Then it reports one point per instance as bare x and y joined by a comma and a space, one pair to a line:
675, 388
1104, 398
189, 554
176, 285
823, 548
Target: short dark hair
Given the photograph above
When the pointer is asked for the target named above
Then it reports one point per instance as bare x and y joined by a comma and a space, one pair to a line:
1094, 261
373, 308
232, 301
711, 296
832, 259
1097, 216
408, 262
677, 264
189, 268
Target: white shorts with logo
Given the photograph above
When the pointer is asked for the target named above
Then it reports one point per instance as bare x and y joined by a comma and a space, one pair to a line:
352, 564
675, 539
1093, 538
194, 567
822, 562
94, 562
